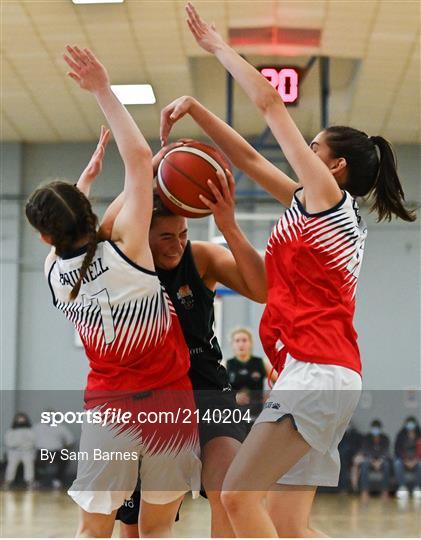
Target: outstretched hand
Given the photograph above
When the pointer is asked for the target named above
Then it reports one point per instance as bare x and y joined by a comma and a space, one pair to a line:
171, 114
205, 34
94, 167
224, 208
87, 70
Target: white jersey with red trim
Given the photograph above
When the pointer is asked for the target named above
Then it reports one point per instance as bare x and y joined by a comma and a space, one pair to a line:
312, 263
125, 320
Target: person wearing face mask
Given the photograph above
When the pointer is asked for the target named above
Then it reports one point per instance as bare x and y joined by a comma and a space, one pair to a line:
54, 439
19, 441
406, 458
375, 451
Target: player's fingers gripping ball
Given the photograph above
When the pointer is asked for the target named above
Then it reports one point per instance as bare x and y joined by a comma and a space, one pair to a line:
183, 175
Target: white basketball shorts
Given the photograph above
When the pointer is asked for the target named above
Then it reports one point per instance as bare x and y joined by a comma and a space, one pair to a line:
320, 400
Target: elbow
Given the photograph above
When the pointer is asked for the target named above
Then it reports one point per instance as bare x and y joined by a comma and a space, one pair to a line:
138, 155
143, 153
261, 297
137, 159
267, 99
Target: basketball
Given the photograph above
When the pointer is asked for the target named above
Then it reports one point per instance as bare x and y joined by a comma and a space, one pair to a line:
183, 174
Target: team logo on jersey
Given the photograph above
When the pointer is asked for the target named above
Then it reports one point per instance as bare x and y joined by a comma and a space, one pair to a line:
185, 296
272, 405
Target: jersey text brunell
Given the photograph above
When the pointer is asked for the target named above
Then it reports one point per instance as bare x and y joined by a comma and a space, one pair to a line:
95, 269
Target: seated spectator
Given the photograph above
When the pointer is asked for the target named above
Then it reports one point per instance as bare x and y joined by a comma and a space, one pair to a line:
374, 456
19, 441
53, 439
406, 458
348, 449
247, 373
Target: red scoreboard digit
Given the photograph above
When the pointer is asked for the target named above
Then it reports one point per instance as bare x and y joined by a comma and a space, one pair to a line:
285, 80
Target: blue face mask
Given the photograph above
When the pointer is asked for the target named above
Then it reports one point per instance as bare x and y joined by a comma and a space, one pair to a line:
375, 431
410, 425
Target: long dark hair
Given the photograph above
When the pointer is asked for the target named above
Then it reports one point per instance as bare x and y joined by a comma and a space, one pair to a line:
62, 212
372, 170
16, 424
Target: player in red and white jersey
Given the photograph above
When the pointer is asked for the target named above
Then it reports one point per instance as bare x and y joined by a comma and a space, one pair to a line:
137, 354
312, 263
313, 260
126, 321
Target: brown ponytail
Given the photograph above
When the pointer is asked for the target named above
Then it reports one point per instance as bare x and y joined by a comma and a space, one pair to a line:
92, 233
369, 173
387, 191
62, 212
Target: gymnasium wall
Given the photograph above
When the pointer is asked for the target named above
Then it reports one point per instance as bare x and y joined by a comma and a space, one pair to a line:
37, 343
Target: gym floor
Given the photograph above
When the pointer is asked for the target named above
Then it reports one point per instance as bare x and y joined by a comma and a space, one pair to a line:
53, 514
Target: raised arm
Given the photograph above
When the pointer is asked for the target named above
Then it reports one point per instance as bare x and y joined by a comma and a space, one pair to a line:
319, 184
131, 225
242, 268
111, 213
238, 150
94, 167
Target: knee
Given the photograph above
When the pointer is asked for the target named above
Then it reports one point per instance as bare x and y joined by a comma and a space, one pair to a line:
232, 501
147, 530
240, 502
154, 529
92, 527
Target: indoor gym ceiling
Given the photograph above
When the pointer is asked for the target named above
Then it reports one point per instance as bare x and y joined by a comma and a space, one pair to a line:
374, 46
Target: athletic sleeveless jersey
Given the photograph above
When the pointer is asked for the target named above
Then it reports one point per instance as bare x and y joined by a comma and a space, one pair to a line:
312, 263
125, 320
248, 375
193, 302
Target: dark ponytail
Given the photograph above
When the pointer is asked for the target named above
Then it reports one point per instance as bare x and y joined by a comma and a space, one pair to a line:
372, 170
62, 212
388, 193
92, 234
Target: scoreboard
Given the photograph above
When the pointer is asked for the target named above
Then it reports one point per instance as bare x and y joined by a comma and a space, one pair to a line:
286, 80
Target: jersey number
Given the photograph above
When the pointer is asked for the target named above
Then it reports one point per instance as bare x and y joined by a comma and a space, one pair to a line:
102, 299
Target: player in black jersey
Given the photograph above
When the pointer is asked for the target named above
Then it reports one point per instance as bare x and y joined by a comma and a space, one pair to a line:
190, 272
247, 374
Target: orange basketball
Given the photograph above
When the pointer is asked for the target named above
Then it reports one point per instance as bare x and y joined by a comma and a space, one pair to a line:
183, 174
